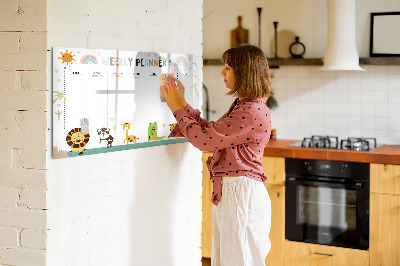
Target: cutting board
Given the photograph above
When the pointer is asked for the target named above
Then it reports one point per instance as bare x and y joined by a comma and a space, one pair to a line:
239, 35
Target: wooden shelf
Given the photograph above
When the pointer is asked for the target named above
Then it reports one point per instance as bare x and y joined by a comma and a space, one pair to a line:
380, 61
273, 63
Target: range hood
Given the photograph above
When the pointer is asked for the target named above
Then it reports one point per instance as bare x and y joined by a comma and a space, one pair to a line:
341, 51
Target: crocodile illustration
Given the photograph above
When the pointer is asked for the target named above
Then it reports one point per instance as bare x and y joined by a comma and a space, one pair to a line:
153, 132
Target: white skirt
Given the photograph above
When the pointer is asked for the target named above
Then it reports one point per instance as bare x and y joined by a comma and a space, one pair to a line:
241, 223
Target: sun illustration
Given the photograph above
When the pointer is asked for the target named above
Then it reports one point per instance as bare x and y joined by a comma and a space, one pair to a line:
67, 57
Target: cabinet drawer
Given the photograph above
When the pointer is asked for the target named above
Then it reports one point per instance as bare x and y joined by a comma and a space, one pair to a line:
305, 254
385, 178
384, 235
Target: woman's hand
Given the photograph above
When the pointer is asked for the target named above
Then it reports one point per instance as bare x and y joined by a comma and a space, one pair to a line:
171, 95
181, 90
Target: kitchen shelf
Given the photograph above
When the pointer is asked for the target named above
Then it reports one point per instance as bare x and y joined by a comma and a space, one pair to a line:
380, 61
273, 63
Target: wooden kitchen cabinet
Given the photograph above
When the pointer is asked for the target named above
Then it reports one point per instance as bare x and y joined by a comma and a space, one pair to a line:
305, 254
274, 168
384, 236
385, 178
277, 233
206, 225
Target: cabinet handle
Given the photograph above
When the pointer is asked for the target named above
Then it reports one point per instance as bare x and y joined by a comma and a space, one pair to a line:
325, 254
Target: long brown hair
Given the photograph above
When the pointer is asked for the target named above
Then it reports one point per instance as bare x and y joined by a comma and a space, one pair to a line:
250, 66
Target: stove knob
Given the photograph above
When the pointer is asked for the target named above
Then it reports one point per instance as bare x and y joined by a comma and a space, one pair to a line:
308, 166
343, 168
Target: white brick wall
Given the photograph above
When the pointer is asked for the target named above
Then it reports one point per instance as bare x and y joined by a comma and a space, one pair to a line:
23, 129
138, 207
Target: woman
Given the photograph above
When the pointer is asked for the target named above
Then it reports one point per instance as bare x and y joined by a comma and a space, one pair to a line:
242, 208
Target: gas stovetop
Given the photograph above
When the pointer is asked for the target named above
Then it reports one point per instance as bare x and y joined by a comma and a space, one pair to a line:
332, 142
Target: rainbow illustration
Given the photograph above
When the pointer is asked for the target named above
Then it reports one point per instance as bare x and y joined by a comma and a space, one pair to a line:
89, 59
180, 61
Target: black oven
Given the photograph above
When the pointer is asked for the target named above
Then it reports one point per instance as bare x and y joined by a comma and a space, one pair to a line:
327, 202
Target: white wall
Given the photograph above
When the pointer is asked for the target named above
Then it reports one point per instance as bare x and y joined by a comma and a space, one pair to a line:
311, 102
137, 207
304, 18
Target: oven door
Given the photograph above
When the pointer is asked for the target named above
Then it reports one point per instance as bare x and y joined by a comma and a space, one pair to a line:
327, 213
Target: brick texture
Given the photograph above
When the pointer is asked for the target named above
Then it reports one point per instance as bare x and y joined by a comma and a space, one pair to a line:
33, 239
23, 126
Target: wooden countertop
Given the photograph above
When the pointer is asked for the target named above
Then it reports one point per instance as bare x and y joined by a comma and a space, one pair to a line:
389, 154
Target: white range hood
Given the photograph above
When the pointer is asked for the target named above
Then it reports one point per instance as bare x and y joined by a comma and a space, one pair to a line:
341, 51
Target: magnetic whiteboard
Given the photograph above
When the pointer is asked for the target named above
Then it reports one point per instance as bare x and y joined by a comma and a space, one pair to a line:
110, 100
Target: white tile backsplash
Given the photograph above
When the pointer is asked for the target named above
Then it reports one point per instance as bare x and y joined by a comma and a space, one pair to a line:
314, 102
394, 110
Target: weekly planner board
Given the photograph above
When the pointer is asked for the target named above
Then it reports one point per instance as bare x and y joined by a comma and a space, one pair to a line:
110, 100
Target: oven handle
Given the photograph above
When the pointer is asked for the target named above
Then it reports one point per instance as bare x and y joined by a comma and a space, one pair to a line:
357, 185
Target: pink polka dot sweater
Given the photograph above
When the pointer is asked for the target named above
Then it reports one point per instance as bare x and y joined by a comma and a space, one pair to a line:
238, 139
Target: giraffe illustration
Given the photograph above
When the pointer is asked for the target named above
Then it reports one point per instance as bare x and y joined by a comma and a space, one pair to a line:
129, 138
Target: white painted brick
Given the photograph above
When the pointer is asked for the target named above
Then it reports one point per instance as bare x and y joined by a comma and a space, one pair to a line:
18, 256
8, 6
34, 7
23, 178
150, 7
28, 16
32, 55
196, 11
79, 228
153, 33
95, 173
114, 186
35, 120
179, 7
7, 81
23, 100
31, 80
98, 222
23, 139
31, 61
192, 23
33, 239
33, 199
8, 197
22, 218
167, 19
8, 237
9, 42
33, 159
5, 159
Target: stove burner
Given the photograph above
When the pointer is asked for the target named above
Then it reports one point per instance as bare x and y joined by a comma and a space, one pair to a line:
358, 144
328, 142
332, 142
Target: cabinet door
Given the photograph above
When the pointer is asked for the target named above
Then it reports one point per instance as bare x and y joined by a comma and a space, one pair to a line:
305, 254
277, 233
384, 236
385, 178
274, 168
206, 226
